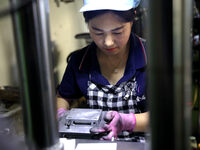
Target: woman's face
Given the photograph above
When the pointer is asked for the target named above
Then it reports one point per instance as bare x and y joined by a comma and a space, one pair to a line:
110, 34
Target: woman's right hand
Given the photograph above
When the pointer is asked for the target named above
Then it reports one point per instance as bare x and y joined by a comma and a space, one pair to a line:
60, 112
62, 106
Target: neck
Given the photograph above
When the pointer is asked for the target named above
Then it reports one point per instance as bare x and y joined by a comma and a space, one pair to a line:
123, 54
113, 63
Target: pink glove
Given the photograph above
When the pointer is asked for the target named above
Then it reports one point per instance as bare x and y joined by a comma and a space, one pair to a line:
118, 122
60, 112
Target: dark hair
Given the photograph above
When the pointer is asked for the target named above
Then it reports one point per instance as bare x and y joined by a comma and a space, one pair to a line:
126, 16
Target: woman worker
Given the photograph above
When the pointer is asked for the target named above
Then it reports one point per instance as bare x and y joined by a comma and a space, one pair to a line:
110, 72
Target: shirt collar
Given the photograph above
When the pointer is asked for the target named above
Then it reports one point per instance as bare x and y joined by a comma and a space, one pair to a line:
88, 57
137, 54
137, 59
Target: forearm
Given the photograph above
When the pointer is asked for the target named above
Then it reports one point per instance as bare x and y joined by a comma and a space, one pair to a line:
62, 103
142, 122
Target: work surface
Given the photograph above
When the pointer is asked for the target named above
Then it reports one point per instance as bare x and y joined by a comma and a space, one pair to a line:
83, 144
18, 143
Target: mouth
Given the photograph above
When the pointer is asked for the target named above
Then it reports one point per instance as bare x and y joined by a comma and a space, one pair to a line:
110, 49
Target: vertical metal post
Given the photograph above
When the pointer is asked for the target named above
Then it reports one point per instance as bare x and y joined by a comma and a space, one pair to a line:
169, 77
182, 55
160, 79
32, 38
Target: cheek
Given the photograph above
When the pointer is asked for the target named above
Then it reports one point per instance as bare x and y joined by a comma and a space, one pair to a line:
96, 39
122, 40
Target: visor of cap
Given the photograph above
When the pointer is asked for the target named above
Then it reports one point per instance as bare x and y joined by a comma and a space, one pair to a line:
121, 5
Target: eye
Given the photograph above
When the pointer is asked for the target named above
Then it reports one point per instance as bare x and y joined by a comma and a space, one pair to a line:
98, 34
117, 33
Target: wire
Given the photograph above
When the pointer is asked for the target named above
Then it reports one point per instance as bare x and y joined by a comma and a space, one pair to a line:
15, 8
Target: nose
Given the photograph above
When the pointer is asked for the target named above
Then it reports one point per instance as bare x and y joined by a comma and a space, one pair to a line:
108, 40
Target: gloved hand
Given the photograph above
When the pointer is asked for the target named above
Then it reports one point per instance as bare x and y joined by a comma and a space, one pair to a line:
117, 122
60, 112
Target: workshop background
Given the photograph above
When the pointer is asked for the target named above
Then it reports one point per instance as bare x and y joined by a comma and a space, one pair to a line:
68, 33
66, 24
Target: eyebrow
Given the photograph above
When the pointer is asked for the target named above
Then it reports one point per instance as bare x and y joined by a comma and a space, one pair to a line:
97, 29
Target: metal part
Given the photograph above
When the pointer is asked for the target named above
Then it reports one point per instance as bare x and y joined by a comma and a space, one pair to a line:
160, 79
32, 37
169, 84
84, 116
15, 8
182, 56
77, 122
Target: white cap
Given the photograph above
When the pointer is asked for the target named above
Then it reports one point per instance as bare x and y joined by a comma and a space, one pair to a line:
121, 5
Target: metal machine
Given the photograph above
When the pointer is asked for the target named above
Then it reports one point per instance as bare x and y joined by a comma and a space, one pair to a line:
77, 122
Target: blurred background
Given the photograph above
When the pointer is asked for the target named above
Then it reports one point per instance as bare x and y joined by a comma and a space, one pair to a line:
69, 32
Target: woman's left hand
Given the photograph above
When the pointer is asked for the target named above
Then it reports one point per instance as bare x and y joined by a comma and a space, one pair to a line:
117, 122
